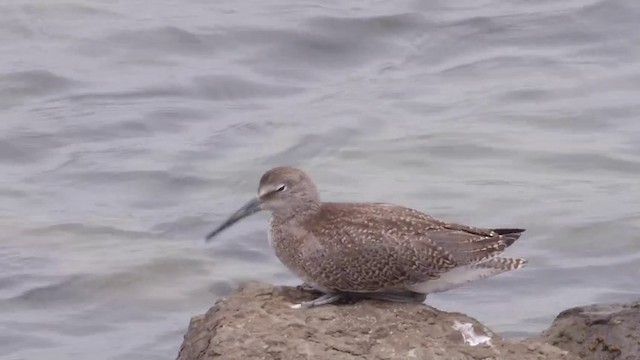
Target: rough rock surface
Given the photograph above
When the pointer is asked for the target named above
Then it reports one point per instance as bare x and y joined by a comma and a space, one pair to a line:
598, 332
256, 322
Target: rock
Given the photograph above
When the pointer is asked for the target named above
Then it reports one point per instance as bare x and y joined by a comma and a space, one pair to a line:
256, 322
598, 332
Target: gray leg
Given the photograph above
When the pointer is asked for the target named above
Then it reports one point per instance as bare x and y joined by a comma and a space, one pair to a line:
399, 297
322, 300
306, 287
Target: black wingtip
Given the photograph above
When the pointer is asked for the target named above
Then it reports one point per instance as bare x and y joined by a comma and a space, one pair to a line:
509, 235
508, 231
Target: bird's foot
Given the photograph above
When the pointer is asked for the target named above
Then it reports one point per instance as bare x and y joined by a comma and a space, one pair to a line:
351, 298
322, 300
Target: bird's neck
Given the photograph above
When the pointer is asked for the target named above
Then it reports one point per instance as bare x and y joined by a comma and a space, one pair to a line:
297, 214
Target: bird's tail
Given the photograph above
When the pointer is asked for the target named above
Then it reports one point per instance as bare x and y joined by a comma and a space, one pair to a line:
504, 264
468, 273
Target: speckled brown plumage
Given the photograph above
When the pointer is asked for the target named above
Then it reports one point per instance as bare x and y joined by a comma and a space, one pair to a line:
373, 247
362, 247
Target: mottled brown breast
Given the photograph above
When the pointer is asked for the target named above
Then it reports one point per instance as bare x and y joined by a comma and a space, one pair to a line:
358, 247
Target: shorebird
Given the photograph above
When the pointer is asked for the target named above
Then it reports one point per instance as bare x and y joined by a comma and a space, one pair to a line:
375, 250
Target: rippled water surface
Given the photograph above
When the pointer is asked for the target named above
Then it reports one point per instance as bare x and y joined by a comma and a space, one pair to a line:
129, 129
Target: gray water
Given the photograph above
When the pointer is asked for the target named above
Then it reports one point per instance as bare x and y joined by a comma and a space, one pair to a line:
129, 129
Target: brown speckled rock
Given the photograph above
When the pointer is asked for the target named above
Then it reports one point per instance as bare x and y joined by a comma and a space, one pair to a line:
598, 332
256, 322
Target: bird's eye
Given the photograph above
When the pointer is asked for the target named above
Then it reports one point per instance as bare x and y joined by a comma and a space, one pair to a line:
281, 188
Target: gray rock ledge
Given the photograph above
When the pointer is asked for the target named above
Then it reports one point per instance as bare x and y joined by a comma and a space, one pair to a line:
598, 332
256, 322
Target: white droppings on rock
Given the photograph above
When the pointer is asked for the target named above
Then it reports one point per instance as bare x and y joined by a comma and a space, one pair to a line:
469, 335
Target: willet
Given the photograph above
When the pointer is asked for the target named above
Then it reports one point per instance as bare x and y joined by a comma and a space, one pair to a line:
374, 250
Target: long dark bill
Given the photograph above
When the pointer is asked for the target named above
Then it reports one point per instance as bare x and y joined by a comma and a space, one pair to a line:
249, 208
